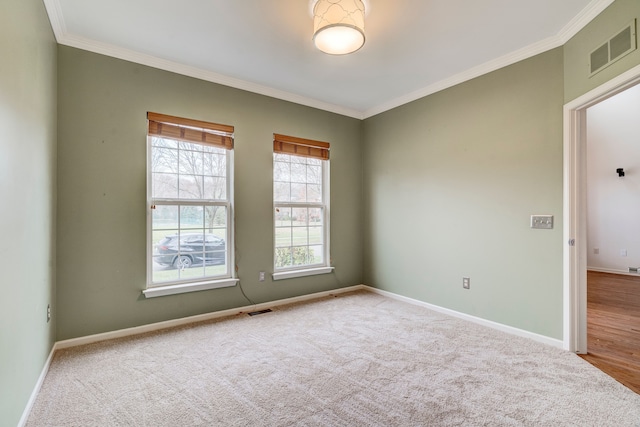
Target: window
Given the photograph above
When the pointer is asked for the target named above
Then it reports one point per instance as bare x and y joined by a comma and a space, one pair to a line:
190, 242
301, 207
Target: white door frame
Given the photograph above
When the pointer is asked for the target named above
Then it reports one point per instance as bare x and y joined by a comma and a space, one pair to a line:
574, 209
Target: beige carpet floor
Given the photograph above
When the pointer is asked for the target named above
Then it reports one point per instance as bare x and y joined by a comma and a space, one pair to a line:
359, 359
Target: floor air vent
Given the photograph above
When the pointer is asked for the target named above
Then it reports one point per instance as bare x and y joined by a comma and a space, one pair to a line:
255, 313
616, 47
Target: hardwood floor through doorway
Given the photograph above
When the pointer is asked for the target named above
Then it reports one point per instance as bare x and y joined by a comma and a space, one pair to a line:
613, 326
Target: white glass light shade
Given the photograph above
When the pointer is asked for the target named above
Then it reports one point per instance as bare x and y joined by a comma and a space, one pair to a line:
338, 26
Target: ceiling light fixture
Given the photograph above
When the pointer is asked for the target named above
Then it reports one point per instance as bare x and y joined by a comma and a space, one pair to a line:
338, 26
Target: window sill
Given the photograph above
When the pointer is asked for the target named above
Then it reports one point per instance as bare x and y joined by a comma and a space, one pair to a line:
160, 291
301, 273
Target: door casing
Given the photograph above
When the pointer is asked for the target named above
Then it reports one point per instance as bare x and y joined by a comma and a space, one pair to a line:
574, 208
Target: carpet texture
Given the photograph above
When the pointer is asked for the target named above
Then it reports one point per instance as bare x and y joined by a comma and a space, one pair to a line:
358, 359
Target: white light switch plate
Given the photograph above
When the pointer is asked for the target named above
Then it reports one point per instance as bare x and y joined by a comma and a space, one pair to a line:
542, 221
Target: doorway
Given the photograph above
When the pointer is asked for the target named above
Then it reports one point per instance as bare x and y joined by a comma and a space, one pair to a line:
575, 207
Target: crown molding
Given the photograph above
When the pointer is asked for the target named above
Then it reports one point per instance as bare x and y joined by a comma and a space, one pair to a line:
587, 14
54, 10
199, 73
472, 73
593, 9
56, 18
581, 20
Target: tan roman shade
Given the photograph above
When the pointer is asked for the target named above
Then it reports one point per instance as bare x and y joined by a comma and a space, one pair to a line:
189, 130
284, 144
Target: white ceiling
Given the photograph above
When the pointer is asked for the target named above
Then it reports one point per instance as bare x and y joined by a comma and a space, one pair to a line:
413, 47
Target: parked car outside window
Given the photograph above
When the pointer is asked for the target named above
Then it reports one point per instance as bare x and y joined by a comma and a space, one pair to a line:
185, 250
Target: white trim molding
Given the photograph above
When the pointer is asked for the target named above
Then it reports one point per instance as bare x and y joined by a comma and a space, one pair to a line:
63, 37
612, 271
200, 318
36, 388
477, 320
160, 291
593, 9
571, 29
263, 306
575, 199
301, 273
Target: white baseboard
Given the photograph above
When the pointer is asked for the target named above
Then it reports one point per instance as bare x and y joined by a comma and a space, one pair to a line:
611, 271
164, 325
36, 389
263, 306
480, 321
198, 318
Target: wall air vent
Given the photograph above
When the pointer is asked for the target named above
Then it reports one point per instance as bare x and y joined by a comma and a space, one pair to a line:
616, 47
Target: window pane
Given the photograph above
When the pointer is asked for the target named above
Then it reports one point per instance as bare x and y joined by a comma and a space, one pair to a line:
283, 217
299, 216
282, 192
315, 216
283, 257
191, 187
314, 174
190, 245
190, 162
215, 220
316, 254
192, 217
298, 192
192, 267
213, 150
315, 236
281, 171
300, 255
299, 231
314, 193
188, 242
283, 237
215, 165
216, 270
164, 160
165, 185
157, 141
165, 217
300, 236
215, 188
298, 173
162, 272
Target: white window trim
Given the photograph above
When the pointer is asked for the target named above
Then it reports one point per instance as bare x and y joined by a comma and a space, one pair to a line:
308, 270
179, 287
290, 274
160, 291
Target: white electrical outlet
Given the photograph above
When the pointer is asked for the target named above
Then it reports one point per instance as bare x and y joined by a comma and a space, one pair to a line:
466, 282
261, 276
623, 252
48, 312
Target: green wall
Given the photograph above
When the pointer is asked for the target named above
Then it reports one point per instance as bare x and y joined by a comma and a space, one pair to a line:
422, 195
27, 191
102, 191
450, 183
599, 30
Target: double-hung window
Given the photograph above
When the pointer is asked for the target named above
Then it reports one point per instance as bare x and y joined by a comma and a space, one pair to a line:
301, 207
190, 232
